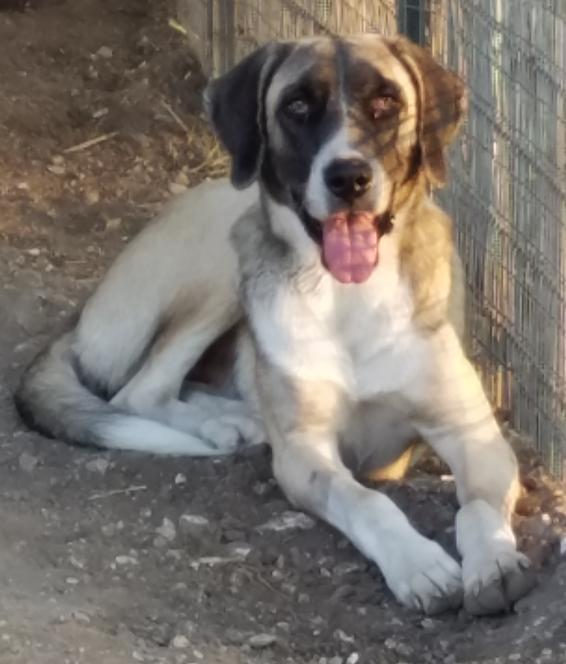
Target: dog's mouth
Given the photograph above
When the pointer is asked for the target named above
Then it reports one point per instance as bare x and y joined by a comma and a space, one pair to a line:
349, 241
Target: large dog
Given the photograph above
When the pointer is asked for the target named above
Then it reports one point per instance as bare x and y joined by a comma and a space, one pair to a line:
331, 274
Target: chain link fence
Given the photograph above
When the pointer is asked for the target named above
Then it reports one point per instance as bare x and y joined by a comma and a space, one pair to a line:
508, 187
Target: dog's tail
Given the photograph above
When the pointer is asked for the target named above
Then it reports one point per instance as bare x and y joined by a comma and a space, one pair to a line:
52, 399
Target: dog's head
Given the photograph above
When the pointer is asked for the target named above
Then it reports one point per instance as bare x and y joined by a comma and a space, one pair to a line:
334, 129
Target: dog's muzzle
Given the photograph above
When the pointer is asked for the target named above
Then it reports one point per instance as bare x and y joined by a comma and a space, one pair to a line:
348, 240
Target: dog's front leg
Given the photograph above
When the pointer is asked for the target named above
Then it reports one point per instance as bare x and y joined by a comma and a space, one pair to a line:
302, 420
458, 422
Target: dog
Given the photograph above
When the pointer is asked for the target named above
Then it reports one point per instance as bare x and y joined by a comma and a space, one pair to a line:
315, 301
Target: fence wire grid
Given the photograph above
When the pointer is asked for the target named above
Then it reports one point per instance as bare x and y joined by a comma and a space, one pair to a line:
507, 192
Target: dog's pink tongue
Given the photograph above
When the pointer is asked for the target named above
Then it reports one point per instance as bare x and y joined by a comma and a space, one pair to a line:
349, 246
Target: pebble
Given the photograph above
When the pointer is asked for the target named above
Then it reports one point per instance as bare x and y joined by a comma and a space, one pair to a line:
180, 479
167, 530
80, 617
123, 561
176, 188
105, 52
113, 224
189, 523
182, 179
56, 169
179, 642
160, 542
100, 113
341, 635
27, 462
98, 465
259, 641
75, 562
234, 636
288, 521
354, 658
348, 568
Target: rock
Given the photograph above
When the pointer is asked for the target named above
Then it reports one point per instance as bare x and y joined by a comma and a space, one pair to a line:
180, 642
180, 479
92, 196
124, 561
80, 617
180, 588
259, 641
27, 462
195, 530
189, 523
428, 623
98, 465
167, 530
113, 224
175, 188
100, 113
348, 568
56, 169
76, 563
342, 636
234, 636
354, 658
182, 179
105, 52
288, 521
160, 542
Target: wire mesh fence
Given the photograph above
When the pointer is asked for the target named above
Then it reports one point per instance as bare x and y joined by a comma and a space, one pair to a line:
508, 187
508, 197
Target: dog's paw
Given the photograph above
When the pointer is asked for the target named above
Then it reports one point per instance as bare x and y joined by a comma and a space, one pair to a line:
227, 433
426, 578
495, 580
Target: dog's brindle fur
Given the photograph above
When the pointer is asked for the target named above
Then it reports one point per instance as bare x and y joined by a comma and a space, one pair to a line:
343, 376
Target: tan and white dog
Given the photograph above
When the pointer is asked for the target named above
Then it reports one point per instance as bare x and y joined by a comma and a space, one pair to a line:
324, 282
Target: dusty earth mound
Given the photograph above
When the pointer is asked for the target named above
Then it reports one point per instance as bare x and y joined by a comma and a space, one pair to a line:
115, 558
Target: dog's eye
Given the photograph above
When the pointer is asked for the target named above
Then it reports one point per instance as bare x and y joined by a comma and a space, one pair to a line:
383, 105
297, 108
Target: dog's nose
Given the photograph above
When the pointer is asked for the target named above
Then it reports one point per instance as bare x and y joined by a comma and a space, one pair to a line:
348, 179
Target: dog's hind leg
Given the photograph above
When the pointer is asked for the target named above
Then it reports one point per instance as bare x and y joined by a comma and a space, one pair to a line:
154, 391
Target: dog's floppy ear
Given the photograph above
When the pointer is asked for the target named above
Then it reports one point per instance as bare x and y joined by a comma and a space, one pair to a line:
234, 104
442, 103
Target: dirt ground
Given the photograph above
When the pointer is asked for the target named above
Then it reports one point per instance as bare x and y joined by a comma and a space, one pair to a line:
117, 558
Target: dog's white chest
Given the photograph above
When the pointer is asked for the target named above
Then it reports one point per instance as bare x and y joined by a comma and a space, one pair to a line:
360, 337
